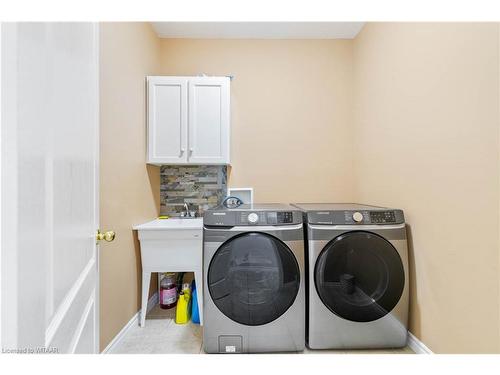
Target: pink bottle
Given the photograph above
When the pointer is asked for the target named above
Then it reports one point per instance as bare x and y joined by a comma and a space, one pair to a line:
168, 291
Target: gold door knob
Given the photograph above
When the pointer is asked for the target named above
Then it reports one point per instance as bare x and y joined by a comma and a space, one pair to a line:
107, 236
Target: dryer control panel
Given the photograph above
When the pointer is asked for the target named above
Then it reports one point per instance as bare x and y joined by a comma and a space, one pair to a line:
382, 217
361, 217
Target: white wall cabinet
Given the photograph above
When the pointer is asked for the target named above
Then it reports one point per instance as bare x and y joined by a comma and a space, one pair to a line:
188, 120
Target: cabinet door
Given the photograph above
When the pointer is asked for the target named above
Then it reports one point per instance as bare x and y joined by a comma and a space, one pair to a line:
167, 120
209, 120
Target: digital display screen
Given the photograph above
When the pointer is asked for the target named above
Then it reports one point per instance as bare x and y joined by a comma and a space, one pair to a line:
285, 217
382, 217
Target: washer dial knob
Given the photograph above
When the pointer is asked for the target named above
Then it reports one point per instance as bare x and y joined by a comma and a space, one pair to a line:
357, 217
253, 218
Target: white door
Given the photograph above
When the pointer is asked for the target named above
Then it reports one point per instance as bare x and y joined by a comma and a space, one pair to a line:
209, 105
49, 160
167, 120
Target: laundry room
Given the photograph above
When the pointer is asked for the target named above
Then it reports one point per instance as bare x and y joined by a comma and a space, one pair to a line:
257, 187
378, 114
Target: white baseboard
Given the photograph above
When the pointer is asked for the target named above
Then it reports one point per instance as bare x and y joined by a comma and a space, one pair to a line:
135, 320
417, 346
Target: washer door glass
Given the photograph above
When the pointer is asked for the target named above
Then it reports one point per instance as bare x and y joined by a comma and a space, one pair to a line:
359, 276
253, 278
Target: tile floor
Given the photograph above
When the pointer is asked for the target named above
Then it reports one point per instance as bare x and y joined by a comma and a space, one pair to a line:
162, 336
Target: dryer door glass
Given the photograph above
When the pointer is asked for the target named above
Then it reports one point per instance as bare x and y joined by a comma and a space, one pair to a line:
359, 276
253, 278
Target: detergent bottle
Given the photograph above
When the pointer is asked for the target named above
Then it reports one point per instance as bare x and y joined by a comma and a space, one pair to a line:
183, 312
195, 313
168, 291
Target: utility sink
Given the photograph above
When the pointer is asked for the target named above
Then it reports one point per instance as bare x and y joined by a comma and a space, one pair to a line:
171, 224
171, 245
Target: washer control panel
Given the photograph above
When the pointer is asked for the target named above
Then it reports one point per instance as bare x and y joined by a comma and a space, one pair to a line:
256, 217
266, 217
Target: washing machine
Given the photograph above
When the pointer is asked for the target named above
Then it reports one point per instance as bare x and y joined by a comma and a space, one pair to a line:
357, 266
254, 289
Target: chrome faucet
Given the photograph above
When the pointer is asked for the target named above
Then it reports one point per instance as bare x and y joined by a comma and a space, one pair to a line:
186, 213
186, 210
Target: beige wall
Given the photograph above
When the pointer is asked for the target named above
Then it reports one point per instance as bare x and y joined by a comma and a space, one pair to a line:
291, 112
130, 190
427, 141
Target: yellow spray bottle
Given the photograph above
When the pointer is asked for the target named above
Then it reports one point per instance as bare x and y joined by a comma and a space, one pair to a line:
183, 311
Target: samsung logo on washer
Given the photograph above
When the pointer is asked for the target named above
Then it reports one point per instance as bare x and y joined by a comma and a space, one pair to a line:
218, 218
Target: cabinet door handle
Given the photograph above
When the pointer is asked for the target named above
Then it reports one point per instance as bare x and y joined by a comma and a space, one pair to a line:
191, 150
182, 150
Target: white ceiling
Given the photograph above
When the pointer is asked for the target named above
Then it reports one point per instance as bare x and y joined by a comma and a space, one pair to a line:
258, 30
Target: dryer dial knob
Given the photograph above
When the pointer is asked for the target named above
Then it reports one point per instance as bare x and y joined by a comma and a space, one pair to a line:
357, 217
253, 218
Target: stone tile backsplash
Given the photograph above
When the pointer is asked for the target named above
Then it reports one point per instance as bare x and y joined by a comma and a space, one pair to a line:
201, 186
